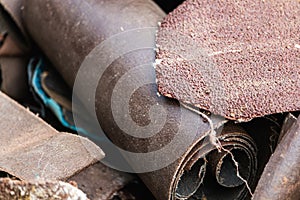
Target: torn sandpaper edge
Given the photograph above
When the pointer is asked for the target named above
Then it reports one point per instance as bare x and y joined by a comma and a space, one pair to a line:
281, 177
181, 178
32, 149
22, 190
239, 59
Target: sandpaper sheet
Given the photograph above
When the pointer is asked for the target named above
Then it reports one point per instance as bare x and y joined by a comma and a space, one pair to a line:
190, 176
237, 59
281, 177
31, 149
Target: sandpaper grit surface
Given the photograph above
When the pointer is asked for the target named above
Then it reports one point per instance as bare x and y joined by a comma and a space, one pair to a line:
238, 59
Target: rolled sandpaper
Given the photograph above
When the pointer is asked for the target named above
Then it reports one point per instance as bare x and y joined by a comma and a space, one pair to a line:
289, 120
12, 40
13, 76
14, 52
237, 59
281, 176
68, 38
14, 9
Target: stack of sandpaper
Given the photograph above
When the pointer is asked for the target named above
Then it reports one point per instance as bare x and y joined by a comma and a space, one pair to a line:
166, 92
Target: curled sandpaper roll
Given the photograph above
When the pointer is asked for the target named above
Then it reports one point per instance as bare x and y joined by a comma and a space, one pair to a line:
12, 40
14, 8
182, 163
281, 176
13, 76
14, 50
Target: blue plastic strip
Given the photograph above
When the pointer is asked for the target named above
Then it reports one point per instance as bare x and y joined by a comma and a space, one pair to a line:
35, 78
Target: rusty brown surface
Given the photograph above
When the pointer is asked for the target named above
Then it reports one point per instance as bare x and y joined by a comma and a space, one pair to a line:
31, 149
238, 59
281, 177
53, 30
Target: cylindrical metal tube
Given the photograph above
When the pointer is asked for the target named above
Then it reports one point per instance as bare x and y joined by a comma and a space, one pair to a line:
116, 41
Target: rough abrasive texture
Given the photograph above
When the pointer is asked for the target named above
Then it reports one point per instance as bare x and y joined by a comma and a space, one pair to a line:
238, 59
23, 190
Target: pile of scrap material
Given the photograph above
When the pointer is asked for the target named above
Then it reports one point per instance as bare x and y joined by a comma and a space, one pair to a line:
33, 151
199, 103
